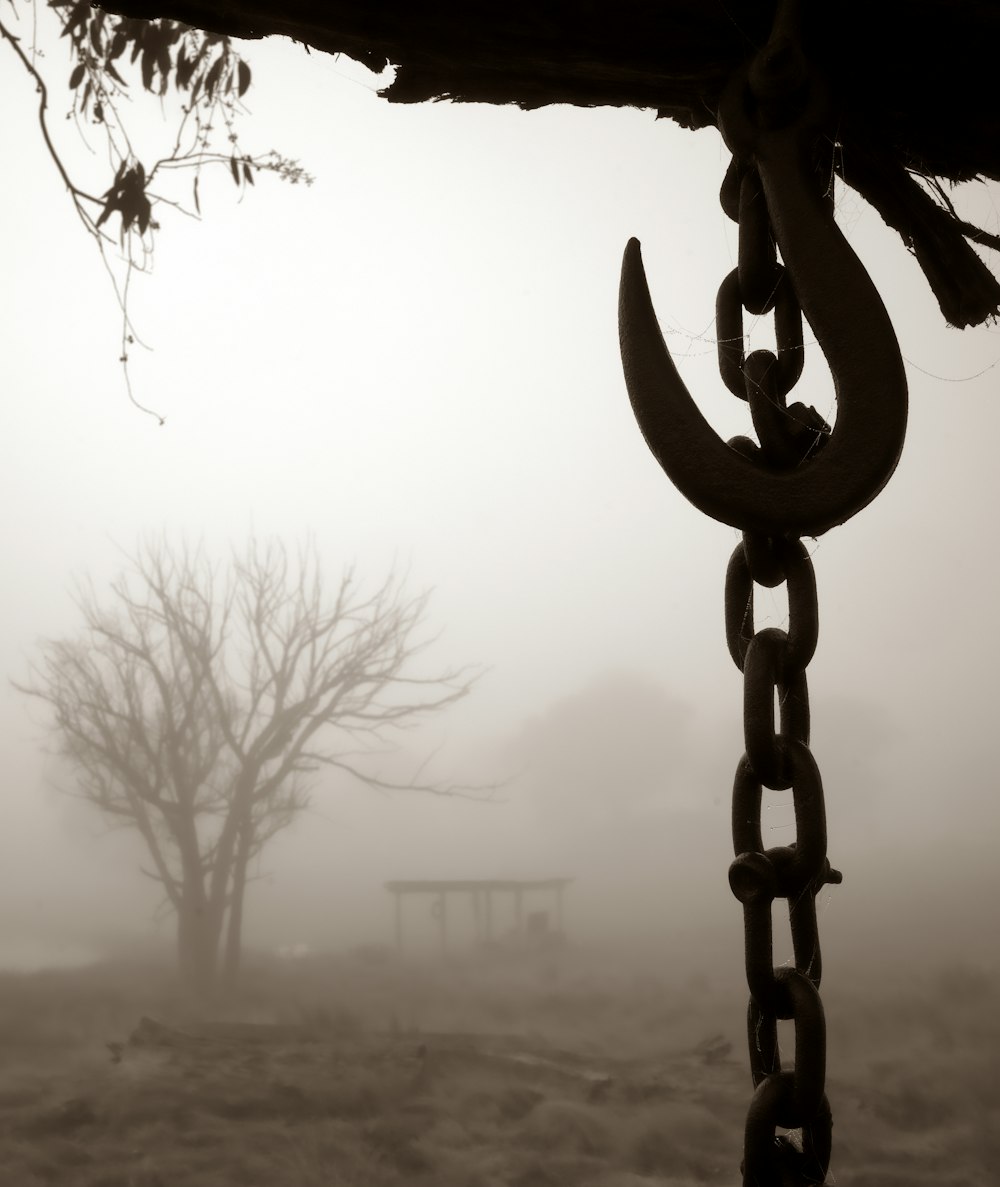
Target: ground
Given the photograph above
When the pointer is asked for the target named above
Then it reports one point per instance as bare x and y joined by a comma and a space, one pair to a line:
508, 1071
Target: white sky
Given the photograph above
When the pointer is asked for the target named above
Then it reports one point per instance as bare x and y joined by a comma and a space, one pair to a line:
417, 360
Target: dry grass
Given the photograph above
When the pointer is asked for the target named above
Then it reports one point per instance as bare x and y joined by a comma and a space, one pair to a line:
536, 1074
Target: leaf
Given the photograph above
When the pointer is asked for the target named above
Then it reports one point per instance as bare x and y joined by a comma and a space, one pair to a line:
197, 204
95, 32
244, 77
184, 69
213, 77
118, 178
171, 33
114, 74
247, 173
77, 76
109, 206
77, 17
163, 62
235, 168
148, 68
118, 44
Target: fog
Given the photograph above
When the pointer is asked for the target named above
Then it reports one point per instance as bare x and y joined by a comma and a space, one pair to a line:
414, 363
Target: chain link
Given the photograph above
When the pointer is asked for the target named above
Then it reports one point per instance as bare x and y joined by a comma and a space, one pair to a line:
760, 285
773, 663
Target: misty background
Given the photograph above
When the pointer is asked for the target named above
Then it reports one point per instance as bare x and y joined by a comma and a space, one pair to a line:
414, 362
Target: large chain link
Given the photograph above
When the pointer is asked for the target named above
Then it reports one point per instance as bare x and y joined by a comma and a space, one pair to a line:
773, 663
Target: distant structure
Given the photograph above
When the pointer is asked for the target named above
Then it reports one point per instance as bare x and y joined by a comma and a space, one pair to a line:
533, 928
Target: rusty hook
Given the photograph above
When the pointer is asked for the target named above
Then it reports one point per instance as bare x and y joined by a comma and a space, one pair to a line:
841, 304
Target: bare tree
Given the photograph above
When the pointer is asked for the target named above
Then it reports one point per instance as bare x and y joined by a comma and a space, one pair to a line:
196, 707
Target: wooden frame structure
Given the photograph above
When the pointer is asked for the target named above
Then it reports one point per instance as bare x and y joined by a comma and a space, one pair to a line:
481, 892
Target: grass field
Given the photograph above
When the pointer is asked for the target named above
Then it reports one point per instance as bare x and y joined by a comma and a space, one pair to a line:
521, 1071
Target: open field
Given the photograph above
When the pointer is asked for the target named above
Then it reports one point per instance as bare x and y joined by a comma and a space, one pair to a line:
513, 1071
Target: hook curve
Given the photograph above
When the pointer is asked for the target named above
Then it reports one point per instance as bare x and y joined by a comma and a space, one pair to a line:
842, 305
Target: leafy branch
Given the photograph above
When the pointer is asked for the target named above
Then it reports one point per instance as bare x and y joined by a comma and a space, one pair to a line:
209, 77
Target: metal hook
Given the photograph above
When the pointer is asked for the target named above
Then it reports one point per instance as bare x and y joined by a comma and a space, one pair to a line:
841, 304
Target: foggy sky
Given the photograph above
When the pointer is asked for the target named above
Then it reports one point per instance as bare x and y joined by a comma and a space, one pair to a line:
416, 363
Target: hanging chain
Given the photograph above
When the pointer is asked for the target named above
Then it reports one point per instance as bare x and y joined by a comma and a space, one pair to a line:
773, 662
801, 479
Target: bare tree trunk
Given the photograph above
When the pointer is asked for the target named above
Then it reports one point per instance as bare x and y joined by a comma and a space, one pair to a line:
199, 927
197, 946
234, 930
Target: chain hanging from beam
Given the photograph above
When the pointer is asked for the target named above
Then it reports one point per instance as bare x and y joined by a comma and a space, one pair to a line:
800, 478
